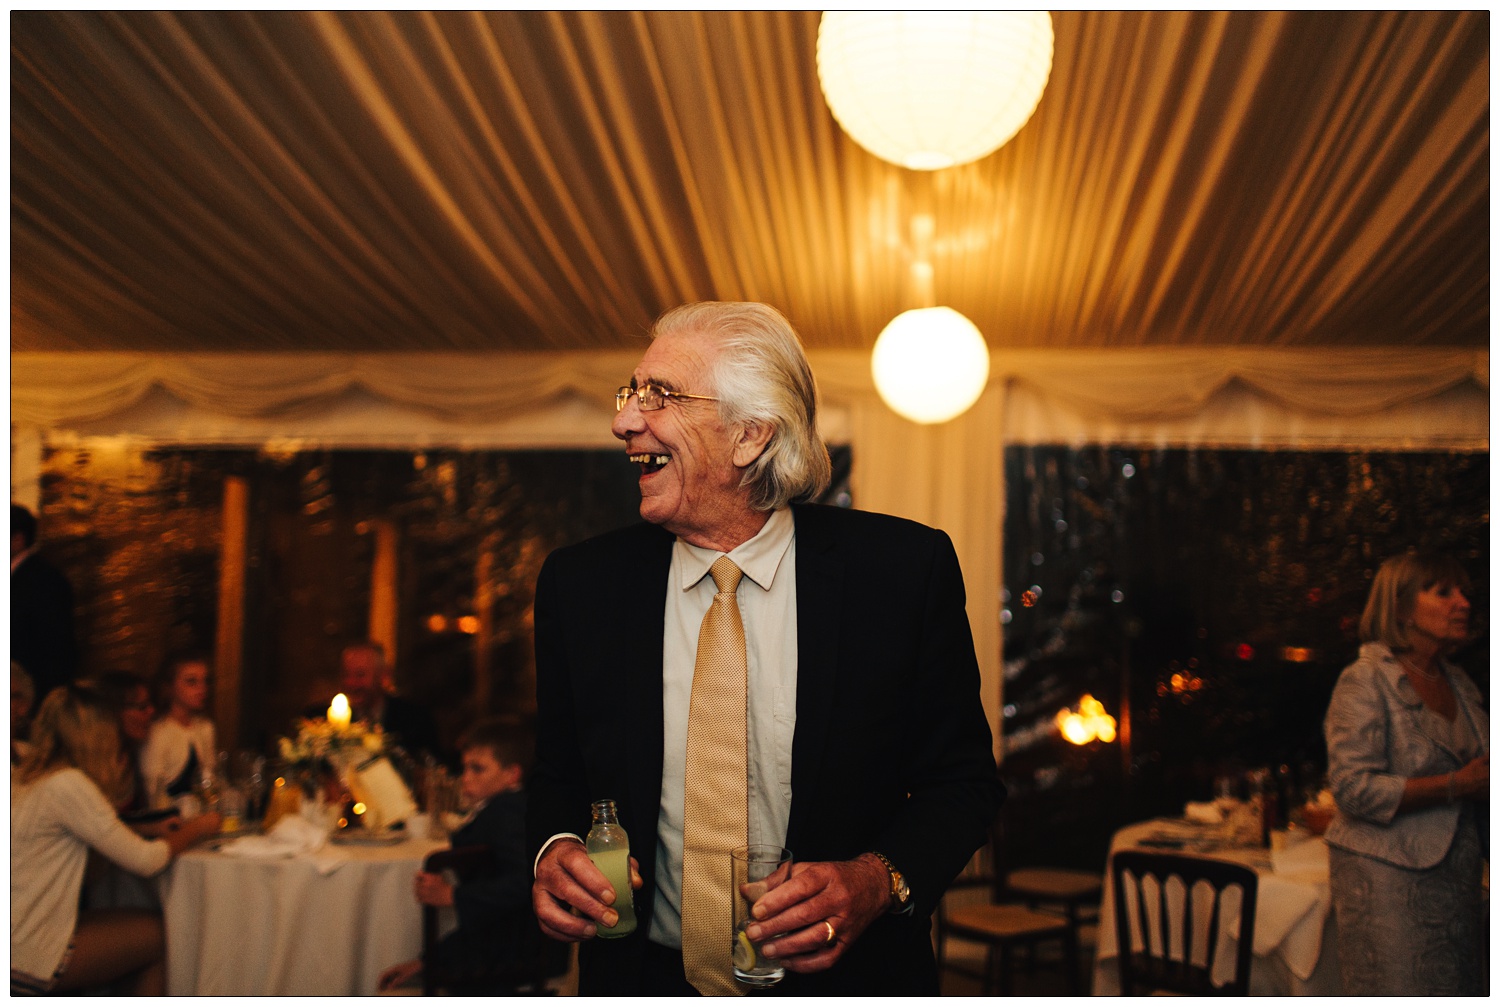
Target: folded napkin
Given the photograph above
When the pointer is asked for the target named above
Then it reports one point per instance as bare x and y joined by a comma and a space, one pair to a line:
1203, 812
292, 836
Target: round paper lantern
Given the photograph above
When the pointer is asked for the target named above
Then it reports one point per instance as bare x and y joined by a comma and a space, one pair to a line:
930, 364
932, 89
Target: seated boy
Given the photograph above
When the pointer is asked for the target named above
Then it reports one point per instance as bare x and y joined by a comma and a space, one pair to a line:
495, 907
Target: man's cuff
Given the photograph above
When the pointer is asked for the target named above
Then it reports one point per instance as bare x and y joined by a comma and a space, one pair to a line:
548, 843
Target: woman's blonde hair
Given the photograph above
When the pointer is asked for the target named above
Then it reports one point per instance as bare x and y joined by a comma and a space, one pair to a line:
1393, 595
75, 728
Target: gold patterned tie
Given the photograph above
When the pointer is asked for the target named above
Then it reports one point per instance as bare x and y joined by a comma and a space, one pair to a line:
716, 809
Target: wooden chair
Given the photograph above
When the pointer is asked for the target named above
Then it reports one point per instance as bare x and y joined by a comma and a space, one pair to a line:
537, 961
1077, 892
1182, 930
1001, 924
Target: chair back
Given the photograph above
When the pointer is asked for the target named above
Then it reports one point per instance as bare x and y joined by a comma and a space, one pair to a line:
1183, 924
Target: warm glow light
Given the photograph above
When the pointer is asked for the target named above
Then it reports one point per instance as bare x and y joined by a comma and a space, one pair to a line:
436, 623
933, 89
930, 364
1087, 723
467, 624
338, 711
1073, 728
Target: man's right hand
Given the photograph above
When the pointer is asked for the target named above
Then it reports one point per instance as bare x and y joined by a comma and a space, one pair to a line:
571, 896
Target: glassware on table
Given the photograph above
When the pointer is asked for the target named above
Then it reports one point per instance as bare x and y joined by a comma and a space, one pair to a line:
755, 870
250, 777
440, 800
285, 799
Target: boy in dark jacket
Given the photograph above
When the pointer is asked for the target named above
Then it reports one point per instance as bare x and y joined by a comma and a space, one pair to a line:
494, 906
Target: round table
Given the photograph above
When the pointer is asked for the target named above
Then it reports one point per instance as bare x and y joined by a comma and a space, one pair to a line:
1295, 944
313, 924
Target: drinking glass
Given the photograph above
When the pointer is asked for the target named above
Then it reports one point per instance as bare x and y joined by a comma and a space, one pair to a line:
756, 870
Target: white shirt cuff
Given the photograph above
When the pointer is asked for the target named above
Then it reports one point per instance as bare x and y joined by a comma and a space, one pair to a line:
548, 843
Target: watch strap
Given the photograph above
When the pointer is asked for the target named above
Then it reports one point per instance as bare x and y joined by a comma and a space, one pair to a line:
900, 893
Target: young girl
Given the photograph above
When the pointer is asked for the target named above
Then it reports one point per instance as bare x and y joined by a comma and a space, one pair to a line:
62, 804
181, 745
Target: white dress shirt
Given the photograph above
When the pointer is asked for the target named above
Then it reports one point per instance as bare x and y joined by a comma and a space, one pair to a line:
767, 597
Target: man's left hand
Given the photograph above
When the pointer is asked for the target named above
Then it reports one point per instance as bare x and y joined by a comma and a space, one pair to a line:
848, 894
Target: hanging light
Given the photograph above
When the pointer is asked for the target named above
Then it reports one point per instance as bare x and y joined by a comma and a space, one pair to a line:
933, 89
930, 364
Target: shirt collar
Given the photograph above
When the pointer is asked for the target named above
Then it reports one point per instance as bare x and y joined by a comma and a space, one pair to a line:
1390, 665
759, 558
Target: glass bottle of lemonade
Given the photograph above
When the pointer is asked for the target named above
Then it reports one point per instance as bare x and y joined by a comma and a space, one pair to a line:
609, 848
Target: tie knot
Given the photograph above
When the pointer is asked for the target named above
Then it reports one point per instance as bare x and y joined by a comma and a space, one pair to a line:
726, 575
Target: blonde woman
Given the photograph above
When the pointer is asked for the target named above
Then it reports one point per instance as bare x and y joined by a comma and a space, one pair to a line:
63, 801
1409, 767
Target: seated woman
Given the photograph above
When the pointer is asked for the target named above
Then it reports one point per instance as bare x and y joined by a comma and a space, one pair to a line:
181, 745
493, 909
62, 804
129, 697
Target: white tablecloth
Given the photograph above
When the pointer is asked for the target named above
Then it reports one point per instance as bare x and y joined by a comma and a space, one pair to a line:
1295, 950
294, 926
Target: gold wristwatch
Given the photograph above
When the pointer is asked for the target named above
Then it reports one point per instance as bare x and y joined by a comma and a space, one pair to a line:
900, 892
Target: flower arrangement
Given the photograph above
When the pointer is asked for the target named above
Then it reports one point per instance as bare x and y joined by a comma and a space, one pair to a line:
324, 749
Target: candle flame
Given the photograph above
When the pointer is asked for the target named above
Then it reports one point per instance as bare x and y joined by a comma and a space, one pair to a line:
338, 711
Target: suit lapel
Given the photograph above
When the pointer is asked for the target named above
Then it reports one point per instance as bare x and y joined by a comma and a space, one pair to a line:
820, 580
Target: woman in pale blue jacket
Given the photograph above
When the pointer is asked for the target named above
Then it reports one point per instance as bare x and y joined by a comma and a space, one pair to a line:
1409, 767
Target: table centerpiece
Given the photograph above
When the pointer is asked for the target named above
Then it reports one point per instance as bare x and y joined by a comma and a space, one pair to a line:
341, 768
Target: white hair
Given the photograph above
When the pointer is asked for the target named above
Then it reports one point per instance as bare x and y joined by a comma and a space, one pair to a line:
762, 376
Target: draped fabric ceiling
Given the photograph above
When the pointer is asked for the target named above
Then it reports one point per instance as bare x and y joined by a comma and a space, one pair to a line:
553, 180
1256, 228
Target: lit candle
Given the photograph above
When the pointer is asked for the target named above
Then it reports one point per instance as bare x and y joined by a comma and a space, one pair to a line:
338, 711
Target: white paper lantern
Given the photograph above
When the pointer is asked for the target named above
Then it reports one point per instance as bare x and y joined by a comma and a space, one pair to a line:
930, 364
933, 89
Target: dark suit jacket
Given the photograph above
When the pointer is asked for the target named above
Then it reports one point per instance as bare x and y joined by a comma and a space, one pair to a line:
41, 625
891, 751
494, 908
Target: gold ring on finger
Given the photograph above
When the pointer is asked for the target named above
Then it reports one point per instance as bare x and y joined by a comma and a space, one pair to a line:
833, 934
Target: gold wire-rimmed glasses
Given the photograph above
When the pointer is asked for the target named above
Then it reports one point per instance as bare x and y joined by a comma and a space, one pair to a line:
652, 397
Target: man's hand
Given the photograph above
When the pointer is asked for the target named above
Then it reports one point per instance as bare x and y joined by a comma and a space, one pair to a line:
849, 894
571, 896
432, 890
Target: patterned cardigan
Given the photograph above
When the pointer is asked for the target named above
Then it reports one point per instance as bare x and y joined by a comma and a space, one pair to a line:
1380, 735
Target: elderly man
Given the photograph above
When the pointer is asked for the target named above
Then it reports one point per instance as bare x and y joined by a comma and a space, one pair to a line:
365, 680
829, 703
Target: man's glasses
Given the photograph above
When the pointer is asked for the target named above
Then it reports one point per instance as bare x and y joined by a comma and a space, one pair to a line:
652, 397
